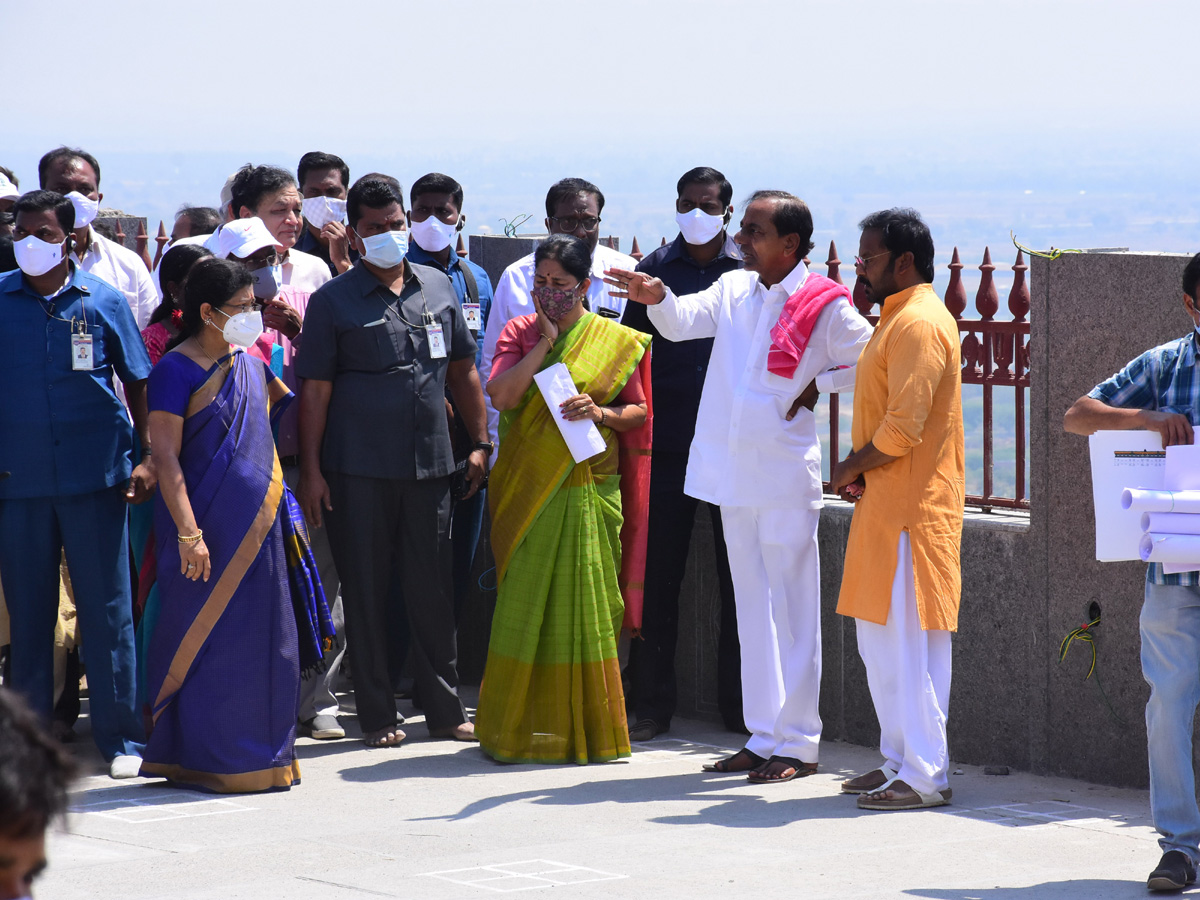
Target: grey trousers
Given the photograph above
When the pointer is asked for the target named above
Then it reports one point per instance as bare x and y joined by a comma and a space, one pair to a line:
373, 522
317, 697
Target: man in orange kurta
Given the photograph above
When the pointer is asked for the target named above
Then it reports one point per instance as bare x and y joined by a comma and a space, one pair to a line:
902, 577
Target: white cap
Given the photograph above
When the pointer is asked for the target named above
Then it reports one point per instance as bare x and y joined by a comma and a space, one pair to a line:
241, 237
8, 190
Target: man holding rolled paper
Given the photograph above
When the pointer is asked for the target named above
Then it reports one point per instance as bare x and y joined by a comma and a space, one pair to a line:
1160, 391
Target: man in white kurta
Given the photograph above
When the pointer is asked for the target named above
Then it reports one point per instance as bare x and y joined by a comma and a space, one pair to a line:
757, 455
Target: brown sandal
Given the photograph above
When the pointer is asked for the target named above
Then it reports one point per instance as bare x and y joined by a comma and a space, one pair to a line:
742, 761
792, 768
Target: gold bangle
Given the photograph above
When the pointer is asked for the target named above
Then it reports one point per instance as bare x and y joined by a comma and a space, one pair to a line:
547, 337
603, 415
192, 539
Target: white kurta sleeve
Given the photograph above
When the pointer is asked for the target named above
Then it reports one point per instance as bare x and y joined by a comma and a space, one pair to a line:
689, 317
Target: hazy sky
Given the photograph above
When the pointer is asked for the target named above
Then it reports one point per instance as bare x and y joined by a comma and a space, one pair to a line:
856, 98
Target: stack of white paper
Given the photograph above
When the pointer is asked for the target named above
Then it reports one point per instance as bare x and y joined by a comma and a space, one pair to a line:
1122, 459
582, 436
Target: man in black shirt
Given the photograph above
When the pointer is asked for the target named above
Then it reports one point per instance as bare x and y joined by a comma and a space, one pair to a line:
381, 345
701, 254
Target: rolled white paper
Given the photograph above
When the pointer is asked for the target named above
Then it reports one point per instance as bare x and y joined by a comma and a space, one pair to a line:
582, 436
1160, 501
1172, 548
1171, 523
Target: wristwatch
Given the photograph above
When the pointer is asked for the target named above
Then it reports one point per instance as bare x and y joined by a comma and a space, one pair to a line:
488, 447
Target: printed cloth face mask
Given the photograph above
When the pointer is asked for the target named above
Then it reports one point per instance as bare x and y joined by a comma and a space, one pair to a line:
556, 302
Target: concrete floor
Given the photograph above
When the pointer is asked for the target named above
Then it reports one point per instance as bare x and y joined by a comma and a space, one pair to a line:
438, 819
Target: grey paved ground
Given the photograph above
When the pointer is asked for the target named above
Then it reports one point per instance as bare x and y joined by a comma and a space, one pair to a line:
436, 819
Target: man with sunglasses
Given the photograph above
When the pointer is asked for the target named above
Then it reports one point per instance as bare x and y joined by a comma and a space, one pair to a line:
573, 206
777, 330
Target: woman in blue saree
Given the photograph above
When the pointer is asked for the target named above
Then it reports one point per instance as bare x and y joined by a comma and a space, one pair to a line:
234, 571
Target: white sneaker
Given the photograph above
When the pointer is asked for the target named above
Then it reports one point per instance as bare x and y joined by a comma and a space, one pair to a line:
125, 767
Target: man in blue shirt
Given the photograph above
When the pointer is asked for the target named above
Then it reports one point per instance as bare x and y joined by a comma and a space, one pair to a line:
67, 441
435, 219
701, 254
1160, 391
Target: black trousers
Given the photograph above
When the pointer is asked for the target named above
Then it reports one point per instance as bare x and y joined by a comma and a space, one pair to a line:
375, 522
652, 660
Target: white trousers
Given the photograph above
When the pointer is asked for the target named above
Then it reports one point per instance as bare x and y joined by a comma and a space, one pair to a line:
776, 573
908, 670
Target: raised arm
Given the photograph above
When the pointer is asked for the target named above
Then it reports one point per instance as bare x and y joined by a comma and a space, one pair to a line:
1088, 415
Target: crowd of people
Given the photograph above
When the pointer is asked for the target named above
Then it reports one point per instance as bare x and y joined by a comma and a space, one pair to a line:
267, 464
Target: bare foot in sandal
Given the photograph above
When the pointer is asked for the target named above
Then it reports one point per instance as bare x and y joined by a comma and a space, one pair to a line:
742, 761
384, 737
780, 768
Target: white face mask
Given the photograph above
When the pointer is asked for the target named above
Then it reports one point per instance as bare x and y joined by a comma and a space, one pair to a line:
267, 281
433, 235
698, 227
243, 329
385, 250
320, 211
85, 208
37, 257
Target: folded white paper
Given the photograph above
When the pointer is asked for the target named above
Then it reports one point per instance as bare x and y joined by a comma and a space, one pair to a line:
582, 436
1143, 501
1122, 459
1171, 523
1180, 549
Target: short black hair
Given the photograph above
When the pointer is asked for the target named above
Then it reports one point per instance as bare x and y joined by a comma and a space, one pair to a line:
374, 191
904, 231
175, 265
40, 201
707, 175
35, 771
571, 187
213, 281
8, 173
252, 183
1191, 275
61, 153
437, 183
571, 253
790, 216
315, 160
202, 219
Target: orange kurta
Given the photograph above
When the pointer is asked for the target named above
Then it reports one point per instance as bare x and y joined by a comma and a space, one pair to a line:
908, 403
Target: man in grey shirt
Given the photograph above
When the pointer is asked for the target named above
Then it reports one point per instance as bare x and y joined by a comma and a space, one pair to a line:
382, 342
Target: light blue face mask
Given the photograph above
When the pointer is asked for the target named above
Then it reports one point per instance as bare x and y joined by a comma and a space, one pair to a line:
385, 250
267, 281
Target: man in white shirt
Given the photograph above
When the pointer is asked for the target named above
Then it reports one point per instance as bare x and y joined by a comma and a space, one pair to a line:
75, 174
270, 193
756, 454
573, 206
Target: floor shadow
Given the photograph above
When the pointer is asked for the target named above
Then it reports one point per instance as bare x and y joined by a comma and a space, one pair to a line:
1072, 889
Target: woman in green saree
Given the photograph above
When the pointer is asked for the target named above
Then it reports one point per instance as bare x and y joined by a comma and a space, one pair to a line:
569, 565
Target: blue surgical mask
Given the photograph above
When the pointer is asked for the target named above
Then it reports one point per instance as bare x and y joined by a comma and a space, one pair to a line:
267, 281
385, 250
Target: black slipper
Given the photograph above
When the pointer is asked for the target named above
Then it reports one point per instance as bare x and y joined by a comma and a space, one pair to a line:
742, 761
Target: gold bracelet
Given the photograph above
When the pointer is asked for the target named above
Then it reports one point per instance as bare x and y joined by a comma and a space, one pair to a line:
547, 337
192, 539
603, 415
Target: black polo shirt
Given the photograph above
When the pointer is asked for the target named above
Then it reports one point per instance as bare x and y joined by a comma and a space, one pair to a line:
387, 413
677, 368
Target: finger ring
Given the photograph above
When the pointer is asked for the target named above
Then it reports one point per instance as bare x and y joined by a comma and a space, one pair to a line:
191, 566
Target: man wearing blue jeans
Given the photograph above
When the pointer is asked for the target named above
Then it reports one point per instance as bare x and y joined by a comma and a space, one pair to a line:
1160, 391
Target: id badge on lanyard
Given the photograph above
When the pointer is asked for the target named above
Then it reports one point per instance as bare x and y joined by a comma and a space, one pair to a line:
437, 341
471, 317
82, 358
